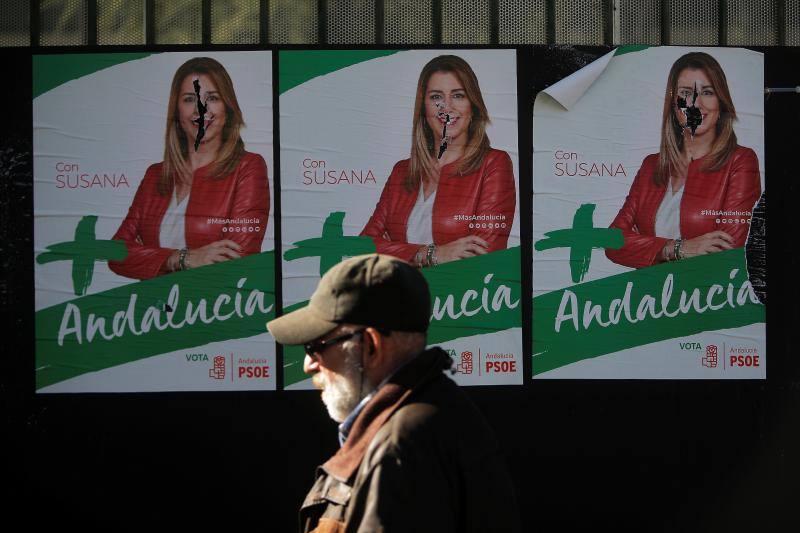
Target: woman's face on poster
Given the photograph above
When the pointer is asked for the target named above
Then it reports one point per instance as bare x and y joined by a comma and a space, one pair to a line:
445, 97
189, 113
694, 89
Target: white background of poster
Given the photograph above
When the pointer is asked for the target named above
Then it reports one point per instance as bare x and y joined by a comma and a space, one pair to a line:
360, 118
614, 117
113, 121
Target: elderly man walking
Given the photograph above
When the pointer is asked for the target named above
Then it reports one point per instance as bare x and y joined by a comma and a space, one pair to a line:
416, 455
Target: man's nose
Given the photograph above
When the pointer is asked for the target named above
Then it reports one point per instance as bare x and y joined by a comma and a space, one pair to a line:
310, 365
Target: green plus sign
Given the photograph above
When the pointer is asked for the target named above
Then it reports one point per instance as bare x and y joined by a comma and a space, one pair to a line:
332, 246
581, 239
83, 252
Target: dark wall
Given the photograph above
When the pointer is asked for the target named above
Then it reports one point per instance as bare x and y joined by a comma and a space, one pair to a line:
645, 455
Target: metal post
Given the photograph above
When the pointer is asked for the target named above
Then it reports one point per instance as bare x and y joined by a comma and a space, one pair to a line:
205, 22
36, 28
150, 22
436, 15
608, 22
322, 17
494, 21
263, 21
91, 22
616, 23
379, 16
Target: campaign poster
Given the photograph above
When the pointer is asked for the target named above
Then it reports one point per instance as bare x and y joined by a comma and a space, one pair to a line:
413, 154
648, 164
153, 221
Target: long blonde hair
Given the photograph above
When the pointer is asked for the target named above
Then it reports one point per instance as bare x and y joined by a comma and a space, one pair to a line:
670, 159
423, 144
176, 145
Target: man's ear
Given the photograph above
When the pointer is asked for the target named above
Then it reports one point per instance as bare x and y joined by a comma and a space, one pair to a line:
373, 347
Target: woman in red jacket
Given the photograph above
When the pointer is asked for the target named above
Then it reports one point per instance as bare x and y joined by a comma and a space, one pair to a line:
455, 197
695, 196
208, 201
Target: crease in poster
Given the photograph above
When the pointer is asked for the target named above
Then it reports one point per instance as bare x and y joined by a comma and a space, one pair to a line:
396, 152
154, 260
645, 187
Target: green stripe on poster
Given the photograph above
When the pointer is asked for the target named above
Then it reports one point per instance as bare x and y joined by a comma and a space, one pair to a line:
230, 300
630, 49
50, 71
299, 66
472, 296
667, 301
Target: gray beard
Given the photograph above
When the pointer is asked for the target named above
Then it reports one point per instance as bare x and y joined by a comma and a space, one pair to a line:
342, 393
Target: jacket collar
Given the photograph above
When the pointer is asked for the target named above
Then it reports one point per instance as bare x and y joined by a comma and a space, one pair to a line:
413, 376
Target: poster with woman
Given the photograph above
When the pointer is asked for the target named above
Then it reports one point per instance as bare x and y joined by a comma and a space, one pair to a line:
153, 228
648, 165
412, 154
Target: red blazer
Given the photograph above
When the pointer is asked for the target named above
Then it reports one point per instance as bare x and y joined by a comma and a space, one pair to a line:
488, 192
736, 186
242, 194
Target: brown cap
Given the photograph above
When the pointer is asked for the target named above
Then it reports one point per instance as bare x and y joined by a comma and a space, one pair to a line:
369, 290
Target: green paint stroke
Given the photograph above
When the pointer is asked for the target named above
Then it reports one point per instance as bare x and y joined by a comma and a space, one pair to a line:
229, 300
83, 252
715, 278
630, 49
472, 296
296, 67
581, 239
50, 71
332, 247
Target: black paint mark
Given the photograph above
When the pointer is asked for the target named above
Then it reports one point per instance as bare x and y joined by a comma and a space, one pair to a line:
443, 142
201, 119
692, 113
756, 249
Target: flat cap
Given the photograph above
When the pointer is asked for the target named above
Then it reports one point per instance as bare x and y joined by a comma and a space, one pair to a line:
370, 290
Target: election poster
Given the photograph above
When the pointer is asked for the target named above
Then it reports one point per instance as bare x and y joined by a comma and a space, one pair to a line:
153, 221
413, 154
648, 165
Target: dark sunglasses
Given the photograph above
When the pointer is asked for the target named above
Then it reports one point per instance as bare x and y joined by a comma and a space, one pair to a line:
317, 347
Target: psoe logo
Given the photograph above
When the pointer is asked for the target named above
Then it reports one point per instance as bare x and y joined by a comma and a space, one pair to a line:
710, 360
500, 363
218, 370
743, 357
465, 365
252, 368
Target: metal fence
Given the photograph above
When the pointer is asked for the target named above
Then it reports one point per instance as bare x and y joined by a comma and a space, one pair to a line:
43, 23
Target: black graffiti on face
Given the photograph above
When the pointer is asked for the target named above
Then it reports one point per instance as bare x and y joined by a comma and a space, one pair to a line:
443, 142
691, 112
201, 119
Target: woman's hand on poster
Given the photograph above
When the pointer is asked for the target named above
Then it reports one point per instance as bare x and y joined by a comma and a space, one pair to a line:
468, 246
713, 241
216, 252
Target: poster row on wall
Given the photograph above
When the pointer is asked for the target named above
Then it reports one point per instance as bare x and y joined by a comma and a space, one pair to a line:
154, 210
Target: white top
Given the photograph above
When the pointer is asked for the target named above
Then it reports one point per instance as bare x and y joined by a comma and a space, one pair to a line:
668, 217
420, 222
173, 233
